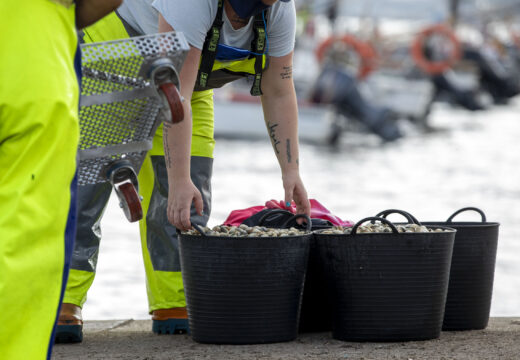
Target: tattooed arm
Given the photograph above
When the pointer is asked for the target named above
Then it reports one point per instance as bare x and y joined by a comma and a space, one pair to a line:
281, 117
177, 143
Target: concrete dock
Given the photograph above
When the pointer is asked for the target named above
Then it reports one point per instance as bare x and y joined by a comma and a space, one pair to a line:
133, 339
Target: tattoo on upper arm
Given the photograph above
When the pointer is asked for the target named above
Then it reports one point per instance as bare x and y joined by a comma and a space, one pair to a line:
272, 135
286, 72
289, 157
167, 156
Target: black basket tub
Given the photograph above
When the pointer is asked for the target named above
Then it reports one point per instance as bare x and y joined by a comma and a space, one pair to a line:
243, 290
472, 272
386, 286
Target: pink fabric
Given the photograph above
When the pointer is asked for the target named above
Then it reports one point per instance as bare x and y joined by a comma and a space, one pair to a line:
318, 211
236, 217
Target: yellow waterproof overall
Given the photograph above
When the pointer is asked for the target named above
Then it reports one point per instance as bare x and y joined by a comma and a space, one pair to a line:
38, 145
158, 237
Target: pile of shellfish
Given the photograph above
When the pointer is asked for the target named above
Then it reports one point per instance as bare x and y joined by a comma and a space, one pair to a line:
247, 231
261, 231
381, 228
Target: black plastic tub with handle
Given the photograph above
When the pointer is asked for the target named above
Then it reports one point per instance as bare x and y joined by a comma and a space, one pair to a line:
243, 290
386, 286
472, 272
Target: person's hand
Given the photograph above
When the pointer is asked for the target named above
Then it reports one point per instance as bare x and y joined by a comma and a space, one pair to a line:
180, 198
294, 190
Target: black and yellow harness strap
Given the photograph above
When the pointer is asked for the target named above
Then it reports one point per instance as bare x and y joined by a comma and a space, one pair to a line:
210, 47
258, 46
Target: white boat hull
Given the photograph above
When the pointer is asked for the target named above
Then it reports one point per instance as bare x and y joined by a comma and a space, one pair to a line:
245, 120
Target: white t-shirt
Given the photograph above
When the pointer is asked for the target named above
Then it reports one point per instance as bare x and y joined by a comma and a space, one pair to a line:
194, 18
140, 15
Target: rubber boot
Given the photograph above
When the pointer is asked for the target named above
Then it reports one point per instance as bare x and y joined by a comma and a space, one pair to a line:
70, 324
170, 321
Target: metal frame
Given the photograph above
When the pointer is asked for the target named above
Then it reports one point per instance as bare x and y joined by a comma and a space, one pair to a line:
120, 104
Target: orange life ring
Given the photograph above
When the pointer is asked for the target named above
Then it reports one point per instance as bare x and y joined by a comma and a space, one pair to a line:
365, 51
427, 65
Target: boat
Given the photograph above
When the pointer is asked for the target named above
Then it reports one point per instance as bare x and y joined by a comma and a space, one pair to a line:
239, 115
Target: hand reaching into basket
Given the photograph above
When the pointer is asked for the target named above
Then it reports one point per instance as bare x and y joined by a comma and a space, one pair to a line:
181, 196
295, 190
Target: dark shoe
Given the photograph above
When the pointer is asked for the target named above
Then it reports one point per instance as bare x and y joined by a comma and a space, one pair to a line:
170, 321
70, 324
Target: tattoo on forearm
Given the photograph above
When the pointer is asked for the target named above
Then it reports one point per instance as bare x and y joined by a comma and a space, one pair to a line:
272, 135
289, 157
298, 162
286, 72
167, 156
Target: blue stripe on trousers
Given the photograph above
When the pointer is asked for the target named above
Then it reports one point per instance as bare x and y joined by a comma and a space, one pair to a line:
70, 228
70, 235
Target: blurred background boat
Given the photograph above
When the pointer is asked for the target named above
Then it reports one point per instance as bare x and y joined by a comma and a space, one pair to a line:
384, 63
239, 116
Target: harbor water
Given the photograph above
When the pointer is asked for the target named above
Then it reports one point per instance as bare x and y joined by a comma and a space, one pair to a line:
470, 159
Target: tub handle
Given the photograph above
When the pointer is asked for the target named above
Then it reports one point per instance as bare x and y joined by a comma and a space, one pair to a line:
374, 218
199, 229
466, 209
298, 216
411, 219
273, 212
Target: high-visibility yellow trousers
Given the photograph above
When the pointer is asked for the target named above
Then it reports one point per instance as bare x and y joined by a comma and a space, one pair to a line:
38, 146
